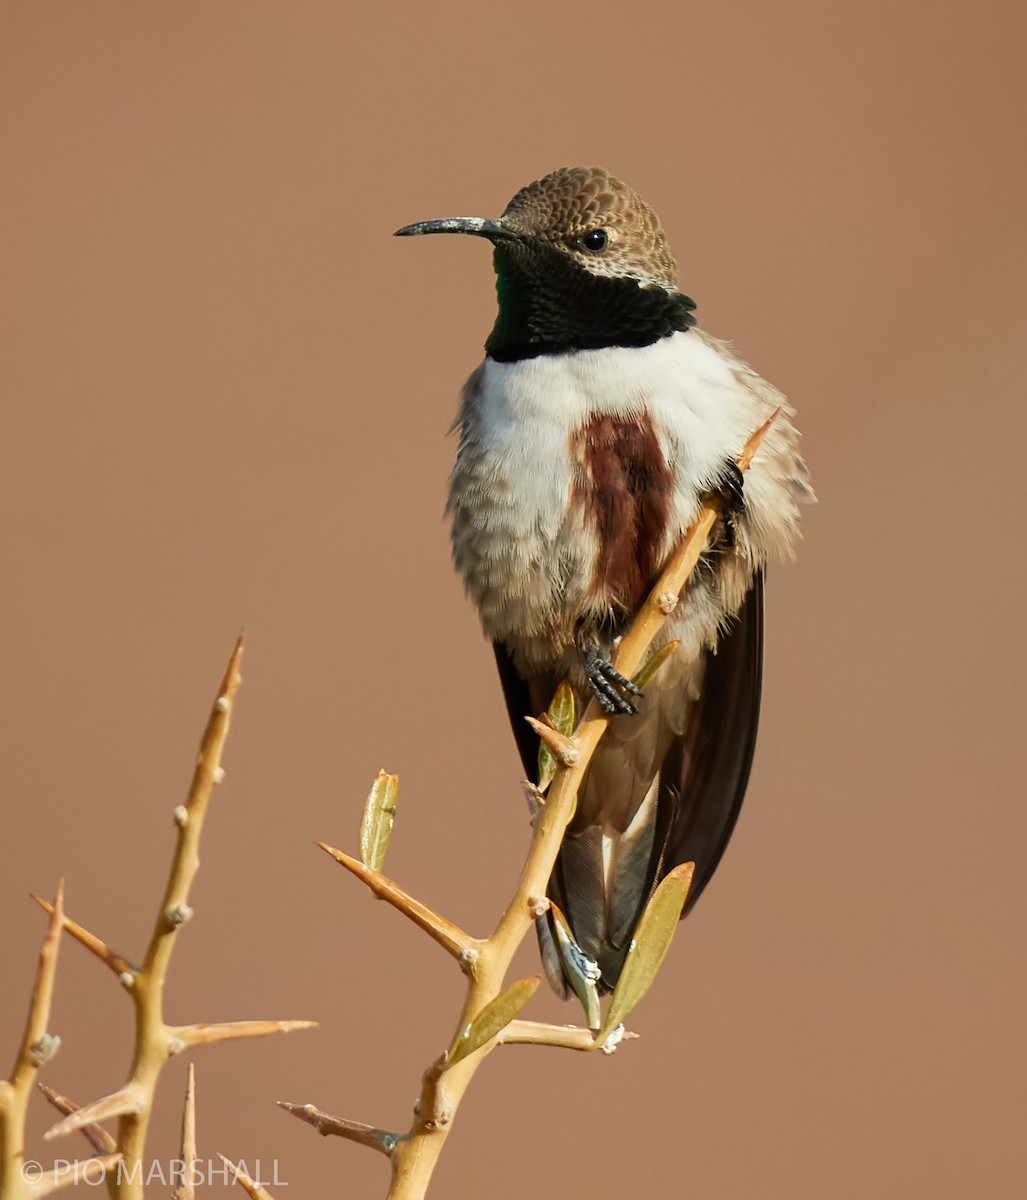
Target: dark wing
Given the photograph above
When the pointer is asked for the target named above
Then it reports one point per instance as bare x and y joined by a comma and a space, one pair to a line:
517, 693
705, 773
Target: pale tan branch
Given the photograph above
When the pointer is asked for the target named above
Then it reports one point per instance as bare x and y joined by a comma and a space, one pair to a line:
250, 1186
451, 937
154, 1040
186, 860
37, 1047
120, 966
131, 1099
98, 1137
561, 747
87, 1170
182, 1037
536, 1033
744, 460
185, 1188
383, 1140
33, 1045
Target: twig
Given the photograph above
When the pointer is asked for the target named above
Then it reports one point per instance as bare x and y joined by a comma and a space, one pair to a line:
37, 1046
120, 966
130, 1100
448, 935
185, 1189
561, 747
182, 1037
97, 1136
250, 1186
536, 1033
383, 1140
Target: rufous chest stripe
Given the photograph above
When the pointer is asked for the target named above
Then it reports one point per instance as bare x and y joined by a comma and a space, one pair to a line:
625, 484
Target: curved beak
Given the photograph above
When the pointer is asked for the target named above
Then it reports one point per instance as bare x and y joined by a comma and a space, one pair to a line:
479, 226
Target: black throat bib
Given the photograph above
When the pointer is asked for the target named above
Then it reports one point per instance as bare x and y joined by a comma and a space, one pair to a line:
549, 304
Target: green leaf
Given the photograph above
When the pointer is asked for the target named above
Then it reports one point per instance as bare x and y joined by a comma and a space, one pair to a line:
492, 1019
563, 716
652, 664
376, 825
649, 946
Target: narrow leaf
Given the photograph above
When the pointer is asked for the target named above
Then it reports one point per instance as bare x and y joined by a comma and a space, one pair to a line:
649, 946
653, 663
376, 826
493, 1018
562, 716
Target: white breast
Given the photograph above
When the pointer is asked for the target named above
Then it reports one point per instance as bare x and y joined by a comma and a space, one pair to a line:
525, 551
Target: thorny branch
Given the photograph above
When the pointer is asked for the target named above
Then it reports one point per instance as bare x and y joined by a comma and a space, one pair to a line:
155, 1040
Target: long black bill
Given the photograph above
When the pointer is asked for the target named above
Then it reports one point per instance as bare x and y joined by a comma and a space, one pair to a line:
479, 226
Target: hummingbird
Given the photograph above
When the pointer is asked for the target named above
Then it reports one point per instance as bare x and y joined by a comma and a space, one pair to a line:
589, 435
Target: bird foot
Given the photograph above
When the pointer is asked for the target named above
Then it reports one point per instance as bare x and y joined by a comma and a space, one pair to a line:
609, 685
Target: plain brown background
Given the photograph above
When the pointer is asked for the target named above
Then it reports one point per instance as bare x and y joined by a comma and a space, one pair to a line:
226, 391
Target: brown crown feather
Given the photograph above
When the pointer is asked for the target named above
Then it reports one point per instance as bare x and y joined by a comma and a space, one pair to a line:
564, 205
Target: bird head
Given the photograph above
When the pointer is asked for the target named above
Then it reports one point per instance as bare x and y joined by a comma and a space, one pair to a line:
581, 262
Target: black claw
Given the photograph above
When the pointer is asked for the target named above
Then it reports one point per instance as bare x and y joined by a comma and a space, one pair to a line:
621, 681
608, 685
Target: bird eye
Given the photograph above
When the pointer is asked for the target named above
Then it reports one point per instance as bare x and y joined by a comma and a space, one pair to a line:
595, 240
